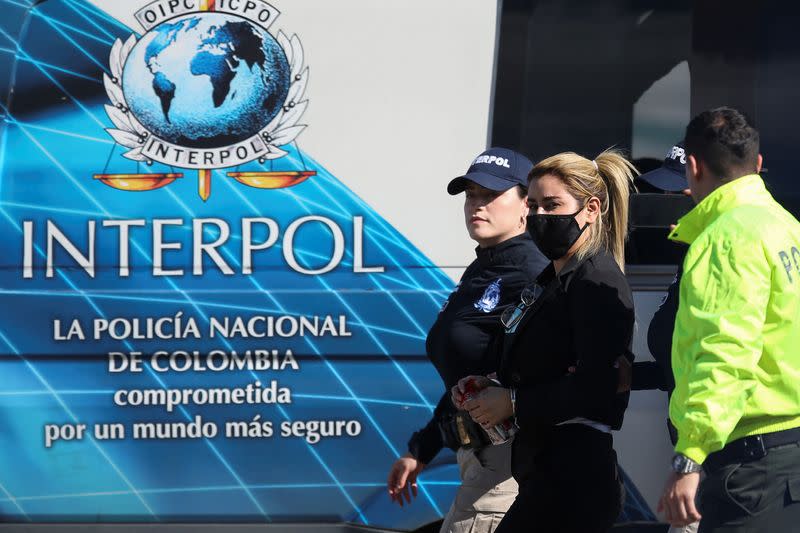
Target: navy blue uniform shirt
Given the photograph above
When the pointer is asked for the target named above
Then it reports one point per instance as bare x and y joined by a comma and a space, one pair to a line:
462, 340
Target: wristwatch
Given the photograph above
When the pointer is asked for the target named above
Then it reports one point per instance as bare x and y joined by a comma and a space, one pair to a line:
683, 465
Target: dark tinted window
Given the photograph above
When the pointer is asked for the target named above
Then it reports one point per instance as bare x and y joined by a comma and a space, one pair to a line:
585, 75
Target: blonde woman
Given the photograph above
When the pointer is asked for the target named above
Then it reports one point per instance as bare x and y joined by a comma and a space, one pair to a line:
559, 355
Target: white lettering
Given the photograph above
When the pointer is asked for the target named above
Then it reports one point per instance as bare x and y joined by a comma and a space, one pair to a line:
159, 246
85, 262
248, 246
338, 245
124, 226
358, 248
258, 235
27, 249
209, 248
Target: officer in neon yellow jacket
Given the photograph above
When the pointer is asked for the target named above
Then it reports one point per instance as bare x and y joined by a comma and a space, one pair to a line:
736, 344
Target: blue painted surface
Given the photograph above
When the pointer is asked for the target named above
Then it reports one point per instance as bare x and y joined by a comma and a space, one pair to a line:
53, 141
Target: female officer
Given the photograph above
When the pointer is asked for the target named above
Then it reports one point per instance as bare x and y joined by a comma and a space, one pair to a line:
557, 367
458, 343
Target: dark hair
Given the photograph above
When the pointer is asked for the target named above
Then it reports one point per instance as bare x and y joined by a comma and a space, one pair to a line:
725, 140
522, 191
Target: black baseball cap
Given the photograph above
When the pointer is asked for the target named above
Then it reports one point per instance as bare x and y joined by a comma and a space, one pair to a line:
497, 169
671, 177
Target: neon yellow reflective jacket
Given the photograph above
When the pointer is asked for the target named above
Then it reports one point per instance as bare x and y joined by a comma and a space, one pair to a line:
736, 344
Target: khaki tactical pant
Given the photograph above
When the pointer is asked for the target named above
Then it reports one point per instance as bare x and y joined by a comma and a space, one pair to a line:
487, 490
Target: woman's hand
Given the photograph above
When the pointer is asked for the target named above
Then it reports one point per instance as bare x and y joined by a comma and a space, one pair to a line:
403, 476
491, 407
458, 390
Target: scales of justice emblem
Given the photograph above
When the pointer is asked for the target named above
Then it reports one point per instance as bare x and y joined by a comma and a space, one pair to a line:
206, 87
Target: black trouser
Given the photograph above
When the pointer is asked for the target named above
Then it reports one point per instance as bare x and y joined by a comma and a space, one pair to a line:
753, 497
572, 487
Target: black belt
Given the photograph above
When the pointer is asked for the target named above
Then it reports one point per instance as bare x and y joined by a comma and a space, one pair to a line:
460, 431
750, 448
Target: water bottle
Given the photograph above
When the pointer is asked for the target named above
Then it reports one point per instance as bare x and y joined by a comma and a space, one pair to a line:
502, 432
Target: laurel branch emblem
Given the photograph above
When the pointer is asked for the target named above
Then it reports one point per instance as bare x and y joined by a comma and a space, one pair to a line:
282, 130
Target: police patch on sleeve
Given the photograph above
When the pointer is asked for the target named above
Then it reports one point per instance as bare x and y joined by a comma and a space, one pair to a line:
490, 298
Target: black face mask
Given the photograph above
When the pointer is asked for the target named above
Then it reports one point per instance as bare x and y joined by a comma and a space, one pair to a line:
555, 234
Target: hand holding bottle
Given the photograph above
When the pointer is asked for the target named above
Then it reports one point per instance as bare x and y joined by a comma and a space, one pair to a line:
474, 383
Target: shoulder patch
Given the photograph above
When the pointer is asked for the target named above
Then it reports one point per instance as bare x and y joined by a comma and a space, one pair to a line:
490, 298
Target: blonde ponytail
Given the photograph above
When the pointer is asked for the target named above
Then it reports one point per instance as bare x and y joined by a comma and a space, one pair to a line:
609, 178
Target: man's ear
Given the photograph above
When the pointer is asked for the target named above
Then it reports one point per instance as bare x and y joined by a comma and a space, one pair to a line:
759, 163
692, 168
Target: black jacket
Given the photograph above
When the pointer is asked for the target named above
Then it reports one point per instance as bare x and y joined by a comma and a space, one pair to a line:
649, 375
458, 343
584, 318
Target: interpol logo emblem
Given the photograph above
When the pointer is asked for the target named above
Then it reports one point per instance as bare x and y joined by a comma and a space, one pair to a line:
490, 298
206, 86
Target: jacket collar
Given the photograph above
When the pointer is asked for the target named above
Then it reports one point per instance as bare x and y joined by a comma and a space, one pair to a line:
502, 253
544, 280
550, 272
747, 190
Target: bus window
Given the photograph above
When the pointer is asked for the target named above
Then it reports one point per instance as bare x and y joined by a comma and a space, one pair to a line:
584, 76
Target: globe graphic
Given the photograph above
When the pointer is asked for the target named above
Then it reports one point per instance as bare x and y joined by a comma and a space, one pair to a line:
206, 80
